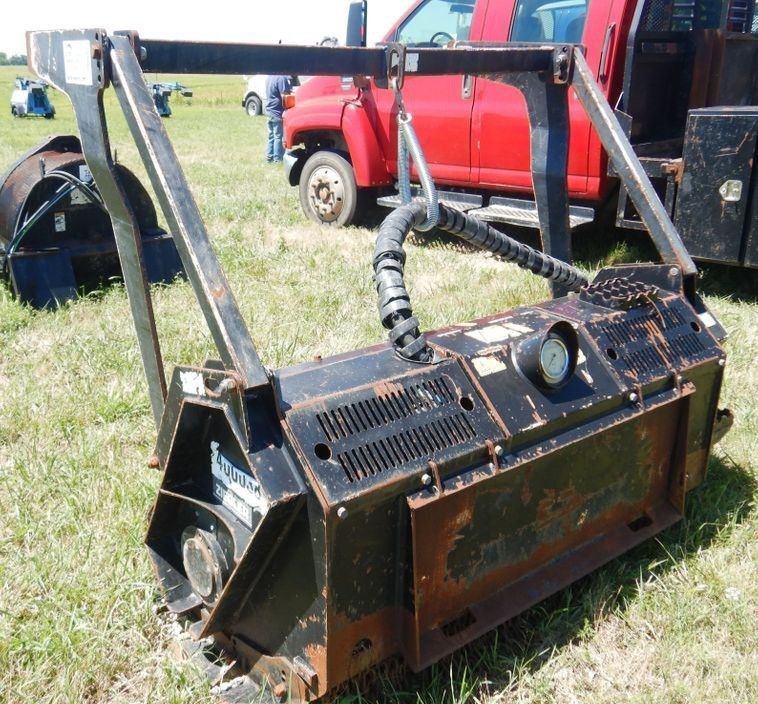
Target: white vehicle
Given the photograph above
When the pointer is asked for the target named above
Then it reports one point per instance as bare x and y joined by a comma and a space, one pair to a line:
255, 94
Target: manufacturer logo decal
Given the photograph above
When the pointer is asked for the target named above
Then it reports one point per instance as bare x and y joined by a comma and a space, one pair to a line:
236, 489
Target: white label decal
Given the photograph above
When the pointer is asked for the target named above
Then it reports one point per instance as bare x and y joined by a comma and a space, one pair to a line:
488, 365
499, 333
708, 319
411, 63
84, 173
235, 489
60, 222
192, 383
78, 198
77, 62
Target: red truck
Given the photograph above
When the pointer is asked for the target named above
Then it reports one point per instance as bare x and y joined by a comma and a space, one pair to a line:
663, 63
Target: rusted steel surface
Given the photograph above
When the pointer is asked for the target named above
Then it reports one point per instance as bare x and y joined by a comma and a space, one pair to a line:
397, 518
716, 212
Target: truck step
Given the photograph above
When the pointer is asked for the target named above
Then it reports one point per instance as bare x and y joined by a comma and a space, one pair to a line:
523, 213
512, 211
458, 201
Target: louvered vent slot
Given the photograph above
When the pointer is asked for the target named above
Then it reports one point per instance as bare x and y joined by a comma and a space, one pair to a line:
385, 408
643, 360
652, 341
687, 345
405, 446
626, 331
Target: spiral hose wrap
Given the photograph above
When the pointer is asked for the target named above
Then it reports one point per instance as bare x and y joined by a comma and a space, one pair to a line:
395, 309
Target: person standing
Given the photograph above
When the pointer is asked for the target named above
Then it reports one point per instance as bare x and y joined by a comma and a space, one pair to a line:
276, 88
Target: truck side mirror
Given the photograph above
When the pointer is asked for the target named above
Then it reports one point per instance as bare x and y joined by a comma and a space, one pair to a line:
357, 16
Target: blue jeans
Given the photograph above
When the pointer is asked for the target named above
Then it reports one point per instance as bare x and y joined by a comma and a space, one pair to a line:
274, 147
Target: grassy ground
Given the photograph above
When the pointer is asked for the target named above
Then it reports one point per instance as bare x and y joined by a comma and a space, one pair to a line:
672, 621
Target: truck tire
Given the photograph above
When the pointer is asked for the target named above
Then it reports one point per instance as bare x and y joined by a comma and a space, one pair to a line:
254, 106
328, 194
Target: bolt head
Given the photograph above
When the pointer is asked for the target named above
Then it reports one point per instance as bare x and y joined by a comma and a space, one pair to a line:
280, 690
633, 397
341, 513
722, 362
499, 450
673, 272
426, 479
153, 462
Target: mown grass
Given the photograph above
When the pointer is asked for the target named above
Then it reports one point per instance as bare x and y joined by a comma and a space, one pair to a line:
672, 621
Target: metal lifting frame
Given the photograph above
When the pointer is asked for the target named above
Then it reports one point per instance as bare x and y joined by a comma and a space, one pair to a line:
82, 63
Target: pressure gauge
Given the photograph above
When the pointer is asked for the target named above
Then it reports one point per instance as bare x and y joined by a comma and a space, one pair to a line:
554, 360
548, 357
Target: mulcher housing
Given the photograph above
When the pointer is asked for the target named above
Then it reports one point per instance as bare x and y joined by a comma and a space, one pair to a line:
314, 521
407, 509
56, 237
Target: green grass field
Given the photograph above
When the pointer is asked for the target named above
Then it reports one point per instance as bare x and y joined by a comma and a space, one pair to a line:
80, 621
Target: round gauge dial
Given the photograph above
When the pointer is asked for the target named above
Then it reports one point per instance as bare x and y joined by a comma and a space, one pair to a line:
555, 360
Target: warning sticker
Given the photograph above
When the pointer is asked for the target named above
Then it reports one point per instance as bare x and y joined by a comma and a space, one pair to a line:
499, 333
84, 173
77, 62
235, 489
707, 318
59, 220
192, 383
488, 365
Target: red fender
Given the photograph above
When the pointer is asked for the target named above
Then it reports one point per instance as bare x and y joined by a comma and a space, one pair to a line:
348, 117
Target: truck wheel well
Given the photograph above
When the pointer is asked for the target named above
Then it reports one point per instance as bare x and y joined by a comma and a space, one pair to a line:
326, 140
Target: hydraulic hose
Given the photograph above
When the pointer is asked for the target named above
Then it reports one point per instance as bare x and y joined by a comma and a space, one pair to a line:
395, 310
70, 184
403, 167
408, 144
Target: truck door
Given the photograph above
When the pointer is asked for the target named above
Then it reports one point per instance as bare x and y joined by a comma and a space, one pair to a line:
440, 109
500, 128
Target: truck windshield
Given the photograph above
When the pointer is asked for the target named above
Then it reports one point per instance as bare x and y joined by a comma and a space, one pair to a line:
437, 22
555, 21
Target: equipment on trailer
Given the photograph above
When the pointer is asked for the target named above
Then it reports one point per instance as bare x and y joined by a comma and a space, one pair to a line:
403, 499
688, 84
162, 92
30, 97
56, 237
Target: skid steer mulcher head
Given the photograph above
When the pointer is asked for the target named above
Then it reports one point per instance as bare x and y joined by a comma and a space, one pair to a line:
55, 235
374, 508
401, 500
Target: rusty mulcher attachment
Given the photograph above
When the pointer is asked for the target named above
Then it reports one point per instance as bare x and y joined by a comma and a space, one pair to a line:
403, 499
55, 234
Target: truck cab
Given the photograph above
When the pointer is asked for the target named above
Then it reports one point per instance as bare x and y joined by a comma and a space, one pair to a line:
649, 57
462, 123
